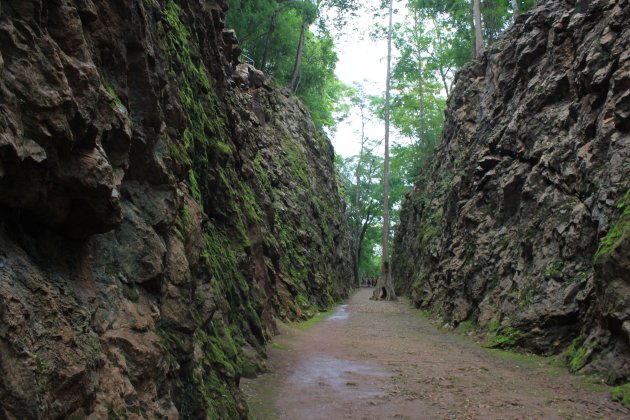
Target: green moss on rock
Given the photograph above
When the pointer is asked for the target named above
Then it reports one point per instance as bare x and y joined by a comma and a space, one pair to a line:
576, 356
619, 229
622, 394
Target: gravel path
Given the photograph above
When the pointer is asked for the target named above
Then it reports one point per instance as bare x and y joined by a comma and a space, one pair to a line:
380, 360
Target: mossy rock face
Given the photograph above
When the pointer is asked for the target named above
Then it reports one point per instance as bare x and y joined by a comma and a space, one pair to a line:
198, 219
523, 214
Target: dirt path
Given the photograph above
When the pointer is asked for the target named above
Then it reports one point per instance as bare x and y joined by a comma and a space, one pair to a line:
379, 360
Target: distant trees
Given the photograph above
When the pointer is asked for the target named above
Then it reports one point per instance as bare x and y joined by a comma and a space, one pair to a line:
290, 41
362, 179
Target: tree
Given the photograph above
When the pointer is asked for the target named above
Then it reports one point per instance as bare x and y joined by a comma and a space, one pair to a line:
514, 8
362, 184
272, 27
298, 58
478, 47
309, 11
359, 232
385, 287
363, 191
364, 205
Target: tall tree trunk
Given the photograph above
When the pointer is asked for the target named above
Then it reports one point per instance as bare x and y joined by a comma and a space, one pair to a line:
298, 59
384, 287
272, 28
423, 122
357, 210
515, 8
478, 33
416, 25
355, 264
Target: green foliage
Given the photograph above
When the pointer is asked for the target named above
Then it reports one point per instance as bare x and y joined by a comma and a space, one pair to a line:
42, 372
194, 187
364, 212
269, 31
502, 336
576, 356
504, 240
554, 269
493, 326
220, 357
619, 229
453, 18
314, 320
622, 394
467, 326
112, 92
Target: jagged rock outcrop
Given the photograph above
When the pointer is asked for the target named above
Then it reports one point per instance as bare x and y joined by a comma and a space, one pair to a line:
160, 206
521, 224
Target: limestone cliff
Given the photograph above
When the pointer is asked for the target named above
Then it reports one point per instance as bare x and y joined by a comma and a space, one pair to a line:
521, 224
160, 206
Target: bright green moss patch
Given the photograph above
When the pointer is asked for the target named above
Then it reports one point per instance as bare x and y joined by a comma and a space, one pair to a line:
112, 92
194, 187
221, 258
576, 357
220, 399
467, 326
619, 229
622, 394
554, 269
502, 337
508, 337
204, 138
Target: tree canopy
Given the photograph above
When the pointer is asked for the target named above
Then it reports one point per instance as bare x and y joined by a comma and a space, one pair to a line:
290, 40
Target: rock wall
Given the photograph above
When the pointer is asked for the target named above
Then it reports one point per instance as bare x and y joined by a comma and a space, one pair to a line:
160, 206
521, 226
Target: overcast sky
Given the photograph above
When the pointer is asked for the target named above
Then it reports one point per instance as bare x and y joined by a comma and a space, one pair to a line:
363, 61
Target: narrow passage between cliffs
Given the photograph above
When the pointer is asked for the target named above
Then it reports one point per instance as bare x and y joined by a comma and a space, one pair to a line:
378, 360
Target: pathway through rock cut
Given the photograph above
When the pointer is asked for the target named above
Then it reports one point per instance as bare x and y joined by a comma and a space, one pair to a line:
380, 360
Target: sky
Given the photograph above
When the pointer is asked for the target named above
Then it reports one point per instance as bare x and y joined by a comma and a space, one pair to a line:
362, 60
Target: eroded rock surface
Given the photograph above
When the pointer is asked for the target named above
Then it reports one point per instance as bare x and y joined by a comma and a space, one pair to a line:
160, 205
522, 223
